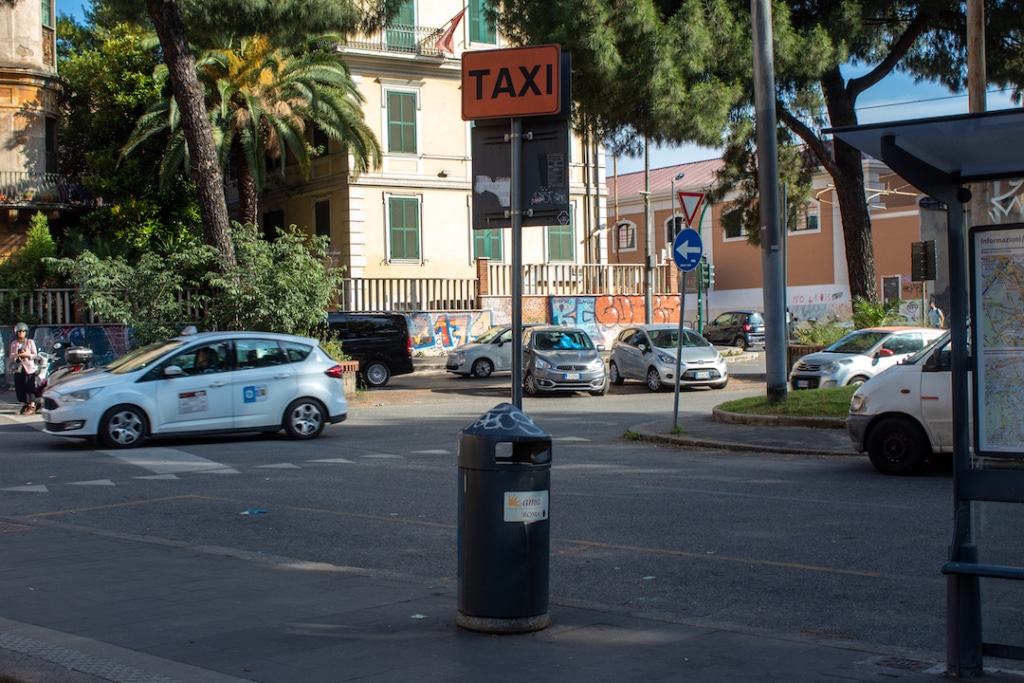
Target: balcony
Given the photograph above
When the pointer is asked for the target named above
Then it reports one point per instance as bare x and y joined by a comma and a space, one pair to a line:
21, 189
400, 39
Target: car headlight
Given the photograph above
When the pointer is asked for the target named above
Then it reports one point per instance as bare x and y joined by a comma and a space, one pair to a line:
665, 358
829, 368
542, 364
858, 403
596, 364
718, 357
80, 396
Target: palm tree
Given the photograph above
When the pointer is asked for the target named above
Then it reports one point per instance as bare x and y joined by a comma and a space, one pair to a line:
261, 101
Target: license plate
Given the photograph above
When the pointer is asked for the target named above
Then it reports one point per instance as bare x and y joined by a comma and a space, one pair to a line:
572, 375
802, 383
702, 374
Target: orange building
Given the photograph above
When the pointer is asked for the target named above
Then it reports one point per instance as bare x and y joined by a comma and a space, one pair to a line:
817, 281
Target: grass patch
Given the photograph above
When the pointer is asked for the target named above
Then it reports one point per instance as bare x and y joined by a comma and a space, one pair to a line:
831, 402
631, 436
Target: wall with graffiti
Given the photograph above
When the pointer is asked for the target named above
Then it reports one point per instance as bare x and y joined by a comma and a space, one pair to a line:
535, 309
435, 332
106, 341
603, 317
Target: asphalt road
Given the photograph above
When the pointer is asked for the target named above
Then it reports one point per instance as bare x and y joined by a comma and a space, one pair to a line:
788, 544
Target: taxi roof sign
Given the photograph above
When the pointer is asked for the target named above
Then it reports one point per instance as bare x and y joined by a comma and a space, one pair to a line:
520, 81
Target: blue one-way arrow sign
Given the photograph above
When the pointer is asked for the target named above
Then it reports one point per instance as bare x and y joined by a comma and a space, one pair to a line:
687, 249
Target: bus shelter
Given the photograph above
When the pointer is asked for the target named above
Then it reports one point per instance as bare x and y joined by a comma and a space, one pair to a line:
940, 156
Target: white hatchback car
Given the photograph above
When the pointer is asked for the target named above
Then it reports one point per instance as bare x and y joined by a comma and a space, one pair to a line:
209, 382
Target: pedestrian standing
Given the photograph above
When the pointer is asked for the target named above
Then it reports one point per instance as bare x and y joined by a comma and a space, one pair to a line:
935, 316
22, 358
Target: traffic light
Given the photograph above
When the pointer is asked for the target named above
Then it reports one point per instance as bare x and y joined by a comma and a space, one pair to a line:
707, 273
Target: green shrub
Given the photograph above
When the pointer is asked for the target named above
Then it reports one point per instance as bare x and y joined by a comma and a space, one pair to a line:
868, 313
28, 268
820, 334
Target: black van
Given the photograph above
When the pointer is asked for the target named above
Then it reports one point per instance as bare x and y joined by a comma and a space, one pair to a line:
379, 341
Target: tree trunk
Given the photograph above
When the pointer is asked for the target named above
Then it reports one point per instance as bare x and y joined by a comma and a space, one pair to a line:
849, 182
248, 197
195, 124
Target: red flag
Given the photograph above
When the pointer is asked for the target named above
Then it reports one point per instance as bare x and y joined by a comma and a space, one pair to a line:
446, 41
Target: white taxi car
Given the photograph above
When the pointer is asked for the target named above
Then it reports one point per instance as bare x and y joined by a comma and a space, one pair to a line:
209, 382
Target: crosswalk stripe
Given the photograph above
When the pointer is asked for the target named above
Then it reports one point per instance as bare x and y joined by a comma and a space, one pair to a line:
335, 460
92, 482
570, 438
221, 470
279, 466
31, 488
435, 451
159, 460
157, 477
381, 456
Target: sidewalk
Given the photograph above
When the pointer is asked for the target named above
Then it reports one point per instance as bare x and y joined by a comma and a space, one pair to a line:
698, 430
83, 606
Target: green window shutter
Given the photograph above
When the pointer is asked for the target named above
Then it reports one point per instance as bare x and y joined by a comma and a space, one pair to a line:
404, 226
402, 122
400, 34
560, 243
487, 244
481, 29
46, 7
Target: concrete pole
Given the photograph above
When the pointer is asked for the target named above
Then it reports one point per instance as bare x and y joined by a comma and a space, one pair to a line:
768, 187
977, 82
648, 238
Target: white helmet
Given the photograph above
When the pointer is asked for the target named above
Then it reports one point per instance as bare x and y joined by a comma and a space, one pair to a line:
21, 327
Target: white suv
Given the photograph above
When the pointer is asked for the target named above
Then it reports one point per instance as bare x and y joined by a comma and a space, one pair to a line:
210, 382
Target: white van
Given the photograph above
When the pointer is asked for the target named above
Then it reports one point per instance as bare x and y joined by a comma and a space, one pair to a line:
905, 414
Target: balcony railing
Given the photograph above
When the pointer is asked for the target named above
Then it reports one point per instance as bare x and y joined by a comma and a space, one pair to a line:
576, 279
416, 40
22, 188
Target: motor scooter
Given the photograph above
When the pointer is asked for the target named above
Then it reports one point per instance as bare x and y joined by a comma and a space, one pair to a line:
76, 359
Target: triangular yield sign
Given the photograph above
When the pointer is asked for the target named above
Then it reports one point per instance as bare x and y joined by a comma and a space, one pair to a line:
691, 203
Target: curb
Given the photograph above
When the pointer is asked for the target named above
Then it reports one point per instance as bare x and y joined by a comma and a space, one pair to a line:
645, 432
727, 417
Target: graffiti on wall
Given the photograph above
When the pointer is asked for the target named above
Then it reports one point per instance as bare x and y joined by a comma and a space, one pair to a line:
443, 331
820, 306
535, 309
603, 317
106, 341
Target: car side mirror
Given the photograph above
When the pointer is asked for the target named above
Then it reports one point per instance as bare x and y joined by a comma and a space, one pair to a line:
173, 371
643, 348
499, 342
884, 353
600, 347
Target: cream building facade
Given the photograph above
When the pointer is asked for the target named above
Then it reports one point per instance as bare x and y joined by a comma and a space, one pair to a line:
411, 217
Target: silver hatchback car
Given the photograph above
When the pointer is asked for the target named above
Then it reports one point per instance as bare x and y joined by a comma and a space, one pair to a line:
648, 353
562, 359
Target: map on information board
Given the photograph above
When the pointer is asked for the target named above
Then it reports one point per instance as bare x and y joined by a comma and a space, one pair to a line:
998, 279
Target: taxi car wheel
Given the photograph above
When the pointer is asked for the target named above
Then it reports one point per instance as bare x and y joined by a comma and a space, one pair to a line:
377, 374
304, 418
654, 380
897, 446
483, 368
613, 373
123, 426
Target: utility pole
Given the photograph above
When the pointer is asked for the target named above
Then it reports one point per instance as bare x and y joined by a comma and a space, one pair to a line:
977, 81
648, 238
772, 253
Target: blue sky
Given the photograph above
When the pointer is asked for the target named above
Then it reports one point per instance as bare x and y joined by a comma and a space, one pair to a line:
896, 97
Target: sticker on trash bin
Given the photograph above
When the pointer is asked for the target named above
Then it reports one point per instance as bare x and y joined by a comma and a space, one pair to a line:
526, 506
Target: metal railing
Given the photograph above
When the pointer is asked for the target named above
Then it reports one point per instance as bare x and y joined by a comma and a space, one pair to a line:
21, 188
407, 294
572, 279
417, 40
40, 306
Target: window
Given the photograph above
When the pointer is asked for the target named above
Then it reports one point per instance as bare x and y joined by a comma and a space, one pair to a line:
625, 237
202, 360
404, 228
481, 28
295, 352
272, 220
401, 34
46, 7
487, 244
904, 343
733, 229
672, 227
322, 214
257, 353
401, 122
561, 245
806, 217
321, 140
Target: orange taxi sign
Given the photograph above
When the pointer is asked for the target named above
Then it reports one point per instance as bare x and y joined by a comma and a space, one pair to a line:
520, 81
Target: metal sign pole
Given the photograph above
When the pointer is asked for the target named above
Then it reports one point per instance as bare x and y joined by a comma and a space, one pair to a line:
516, 138
679, 348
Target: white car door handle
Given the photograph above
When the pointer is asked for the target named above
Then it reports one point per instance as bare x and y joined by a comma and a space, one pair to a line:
217, 384
282, 375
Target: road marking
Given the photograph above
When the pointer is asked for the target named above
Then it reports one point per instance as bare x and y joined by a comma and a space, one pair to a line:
130, 503
381, 456
724, 558
30, 488
435, 451
157, 477
570, 438
221, 470
92, 482
166, 460
333, 460
279, 466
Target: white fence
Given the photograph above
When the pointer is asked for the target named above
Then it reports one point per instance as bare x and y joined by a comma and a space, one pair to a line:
571, 279
407, 294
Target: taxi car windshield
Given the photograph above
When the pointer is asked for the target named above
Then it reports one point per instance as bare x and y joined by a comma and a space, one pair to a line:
142, 357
